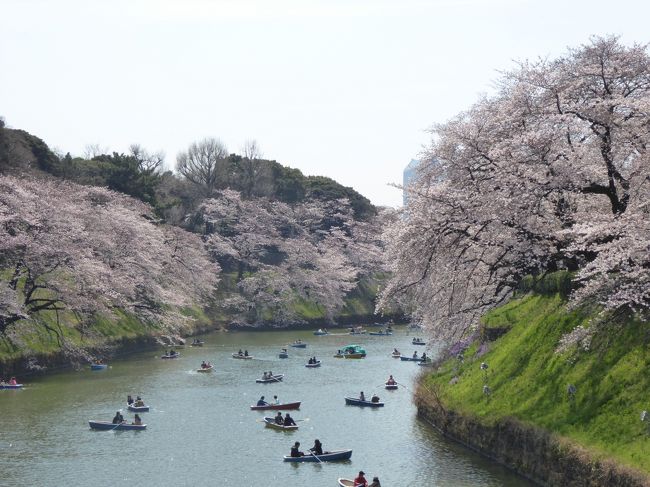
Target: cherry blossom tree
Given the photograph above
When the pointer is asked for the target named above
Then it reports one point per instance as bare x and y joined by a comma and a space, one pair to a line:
90, 251
550, 173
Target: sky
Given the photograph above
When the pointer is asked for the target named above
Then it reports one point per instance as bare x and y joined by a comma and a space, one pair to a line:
341, 88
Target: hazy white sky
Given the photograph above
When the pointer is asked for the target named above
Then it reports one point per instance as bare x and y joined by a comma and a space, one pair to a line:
341, 88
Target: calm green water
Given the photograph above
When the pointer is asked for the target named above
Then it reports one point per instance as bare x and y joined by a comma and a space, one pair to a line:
201, 431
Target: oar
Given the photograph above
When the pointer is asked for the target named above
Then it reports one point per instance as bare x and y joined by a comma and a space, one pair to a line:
306, 419
276, 380
316, 457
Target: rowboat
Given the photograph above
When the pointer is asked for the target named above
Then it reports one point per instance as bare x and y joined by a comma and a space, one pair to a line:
390, 387
396, 355
277, 407
299, 345
205, 369
283, 355
353, 401
107, 425
427, 363
380, 333
320, 332
243, 357
411, 359
354, 355
137, 409
173, 355
197, 343
317, 364
330, 456
270, 422
98, 366
274, 378
417, 341
10, 386
338, 355
346, 483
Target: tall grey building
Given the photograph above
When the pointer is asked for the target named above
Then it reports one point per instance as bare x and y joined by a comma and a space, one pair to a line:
409, 174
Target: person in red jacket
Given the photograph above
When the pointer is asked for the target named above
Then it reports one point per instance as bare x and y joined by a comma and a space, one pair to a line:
361, 481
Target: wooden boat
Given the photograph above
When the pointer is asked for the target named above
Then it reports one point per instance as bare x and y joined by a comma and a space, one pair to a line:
10, 386
173, 355
395, 355
346, 483
390, 387
98, 366
380, 333
299, 345
331, 456
353, 401
107, 425
197, 343
205, 369
243, 357
270, 423
137, 409
354, 355
317, 364
277, 407
283, 355
275, 378
417, 341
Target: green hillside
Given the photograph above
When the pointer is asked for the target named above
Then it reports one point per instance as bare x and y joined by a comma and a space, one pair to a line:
528, 380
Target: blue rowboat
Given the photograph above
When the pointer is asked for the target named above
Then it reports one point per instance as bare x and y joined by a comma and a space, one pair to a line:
331, 456
380, 333
137, 409
167, 357
418, 341
275, 378
353, 401
299, 345
411, 359
98, 366
317, 364
11, 386
390, 387
107, 426
283, 355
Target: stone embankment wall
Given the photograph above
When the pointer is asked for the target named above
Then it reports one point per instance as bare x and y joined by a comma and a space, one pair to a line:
532, 452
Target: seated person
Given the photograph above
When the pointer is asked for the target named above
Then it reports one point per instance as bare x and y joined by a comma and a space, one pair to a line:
279, 419
288, 421
360, 481
276, 400
395, 351
245, 353
374, 398
117, 419
139, 402
265, 375
362, 397
424, 356
129, 400
375, 482
137, 420
240, 353
391, 381
415, 354
295, 450
317, 449
262, 402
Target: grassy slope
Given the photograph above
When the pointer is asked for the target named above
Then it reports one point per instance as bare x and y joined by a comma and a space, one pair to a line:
529, 381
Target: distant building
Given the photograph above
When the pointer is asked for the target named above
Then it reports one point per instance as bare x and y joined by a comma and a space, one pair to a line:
409, 174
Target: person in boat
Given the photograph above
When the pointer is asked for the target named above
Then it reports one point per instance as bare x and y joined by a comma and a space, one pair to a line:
284, 350
288, 421
374, 398
396, 352
391, 381
262, 402
360, 481
362, 397
245, 353
375, 482
317, 449
276, 400
295, 450
137, 420
118, 418
172, 352
240, 353
139, 402
424, 357
415, 354
313, 360
129, 399
270, 374
310, 361
265, 375
12, 381
279, 419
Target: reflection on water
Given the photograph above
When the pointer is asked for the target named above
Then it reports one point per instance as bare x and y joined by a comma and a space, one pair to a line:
201, 431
